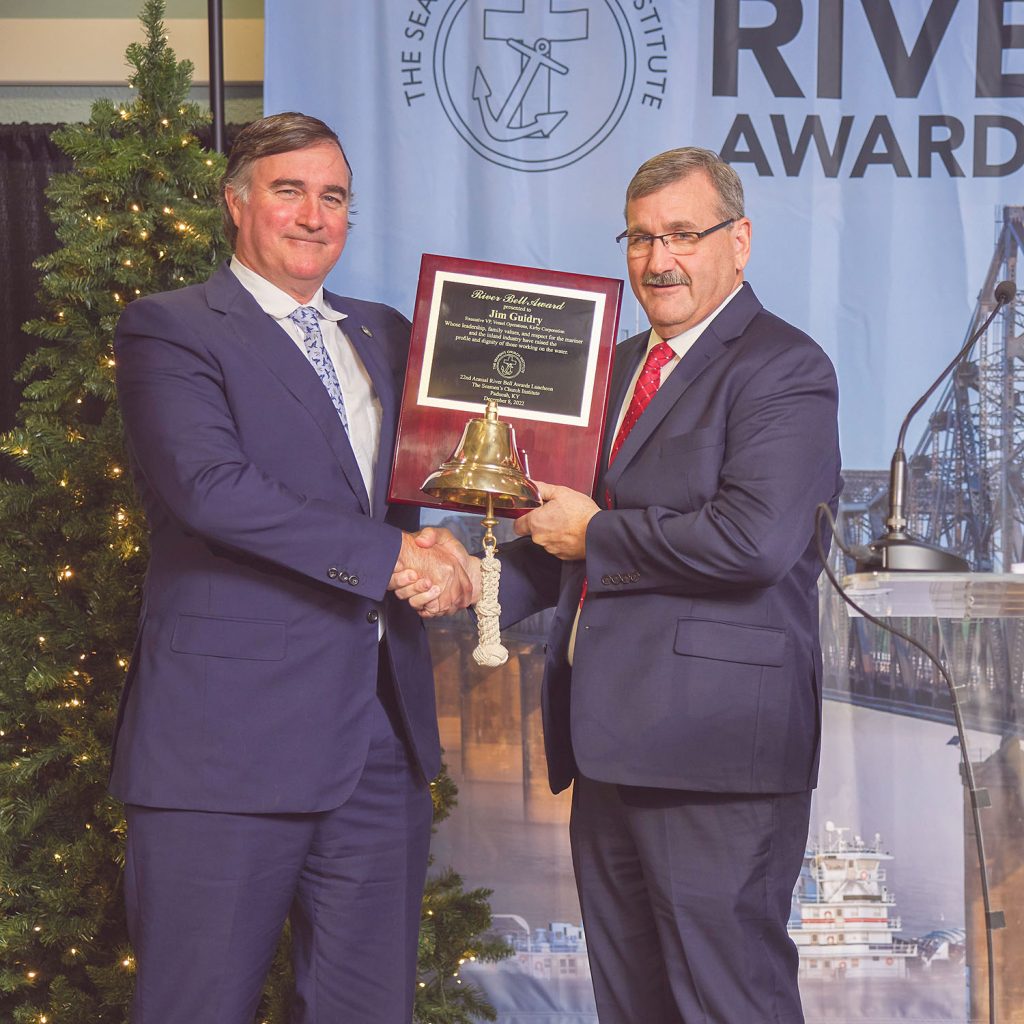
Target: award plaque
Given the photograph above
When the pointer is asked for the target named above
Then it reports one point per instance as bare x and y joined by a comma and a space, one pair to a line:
537, 342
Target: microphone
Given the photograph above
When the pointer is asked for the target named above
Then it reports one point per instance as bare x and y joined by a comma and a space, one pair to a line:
897, 550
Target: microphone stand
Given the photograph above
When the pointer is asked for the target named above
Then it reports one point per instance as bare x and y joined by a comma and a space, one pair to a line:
897, 550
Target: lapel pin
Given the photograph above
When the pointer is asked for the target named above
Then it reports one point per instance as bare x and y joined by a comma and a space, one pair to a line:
366, 330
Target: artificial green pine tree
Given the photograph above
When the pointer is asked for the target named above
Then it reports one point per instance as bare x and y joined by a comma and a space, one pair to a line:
137, 214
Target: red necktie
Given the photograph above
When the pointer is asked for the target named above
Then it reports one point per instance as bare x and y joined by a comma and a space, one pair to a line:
647, 385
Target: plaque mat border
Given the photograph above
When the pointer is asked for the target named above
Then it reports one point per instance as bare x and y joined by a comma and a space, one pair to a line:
441, 277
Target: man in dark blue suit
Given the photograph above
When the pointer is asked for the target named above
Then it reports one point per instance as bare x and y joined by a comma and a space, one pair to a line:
682, 690
277, 731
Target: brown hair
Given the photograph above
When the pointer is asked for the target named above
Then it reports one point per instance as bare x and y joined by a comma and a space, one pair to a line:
670, 166
279, 133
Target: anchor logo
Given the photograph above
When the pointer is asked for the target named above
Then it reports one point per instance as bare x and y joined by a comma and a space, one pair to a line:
499, 126
509, 364
524, 99
514, 28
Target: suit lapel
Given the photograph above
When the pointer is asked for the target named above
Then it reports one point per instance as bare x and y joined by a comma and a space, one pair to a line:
370, 350
261, 336
711, 345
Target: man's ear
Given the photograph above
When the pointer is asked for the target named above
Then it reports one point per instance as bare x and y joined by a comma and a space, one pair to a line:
233, 203
741, 242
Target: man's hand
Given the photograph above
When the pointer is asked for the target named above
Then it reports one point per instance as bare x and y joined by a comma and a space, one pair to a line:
559, 526
434, 573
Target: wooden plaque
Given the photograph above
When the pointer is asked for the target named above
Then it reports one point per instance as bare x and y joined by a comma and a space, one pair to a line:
539, 342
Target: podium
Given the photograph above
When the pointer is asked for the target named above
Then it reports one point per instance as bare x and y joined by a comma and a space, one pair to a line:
978, 619
942, 595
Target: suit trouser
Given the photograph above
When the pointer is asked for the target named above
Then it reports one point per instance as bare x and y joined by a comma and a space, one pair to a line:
207, 896
685, 899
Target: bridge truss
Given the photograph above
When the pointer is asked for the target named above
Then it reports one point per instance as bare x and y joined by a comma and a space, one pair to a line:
967, 496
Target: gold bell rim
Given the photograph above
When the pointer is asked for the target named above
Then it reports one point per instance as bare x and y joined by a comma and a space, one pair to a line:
474, 484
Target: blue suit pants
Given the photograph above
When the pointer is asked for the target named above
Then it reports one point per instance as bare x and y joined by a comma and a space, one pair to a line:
685, 899
207, 896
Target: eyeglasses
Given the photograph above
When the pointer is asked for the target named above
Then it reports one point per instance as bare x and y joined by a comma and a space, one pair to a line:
679, 243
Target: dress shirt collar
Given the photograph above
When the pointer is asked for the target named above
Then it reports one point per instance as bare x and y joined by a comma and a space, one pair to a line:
275, 302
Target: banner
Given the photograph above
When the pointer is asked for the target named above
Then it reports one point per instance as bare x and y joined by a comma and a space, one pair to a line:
877, 141
881, 146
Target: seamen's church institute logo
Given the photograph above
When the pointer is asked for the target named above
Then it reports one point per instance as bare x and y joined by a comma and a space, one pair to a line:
538, 87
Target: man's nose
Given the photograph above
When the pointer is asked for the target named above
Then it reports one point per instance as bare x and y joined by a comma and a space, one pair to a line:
660, 258
309, 213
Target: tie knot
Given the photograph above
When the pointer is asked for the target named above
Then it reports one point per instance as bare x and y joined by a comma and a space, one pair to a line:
661, 354
304, 316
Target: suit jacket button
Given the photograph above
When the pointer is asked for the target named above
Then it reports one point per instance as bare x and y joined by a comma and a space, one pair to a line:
343, 576
616, 578
634, 577
332, 573
353, 581
372, 616
606, 580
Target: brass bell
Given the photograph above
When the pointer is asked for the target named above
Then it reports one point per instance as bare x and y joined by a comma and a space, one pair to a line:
484, 469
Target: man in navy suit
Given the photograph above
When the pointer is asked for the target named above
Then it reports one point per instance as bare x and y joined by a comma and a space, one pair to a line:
682, 690
277, 731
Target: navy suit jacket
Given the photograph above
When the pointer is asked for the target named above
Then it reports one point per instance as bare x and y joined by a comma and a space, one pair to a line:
697, 662
253, 678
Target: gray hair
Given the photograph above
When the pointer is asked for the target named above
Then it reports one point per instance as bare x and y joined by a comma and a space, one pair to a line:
279, 133
669, 167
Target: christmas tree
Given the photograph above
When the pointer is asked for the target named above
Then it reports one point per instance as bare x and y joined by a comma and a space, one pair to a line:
137, 214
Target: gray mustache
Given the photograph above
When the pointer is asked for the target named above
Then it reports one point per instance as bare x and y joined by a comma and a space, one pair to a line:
665, 277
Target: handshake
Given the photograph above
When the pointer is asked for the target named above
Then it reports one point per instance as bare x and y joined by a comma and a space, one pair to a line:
435, 573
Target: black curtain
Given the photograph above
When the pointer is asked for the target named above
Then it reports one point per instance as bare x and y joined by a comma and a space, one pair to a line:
27, 161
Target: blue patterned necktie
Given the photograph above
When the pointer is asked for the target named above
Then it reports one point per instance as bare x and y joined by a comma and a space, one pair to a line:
307, 318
